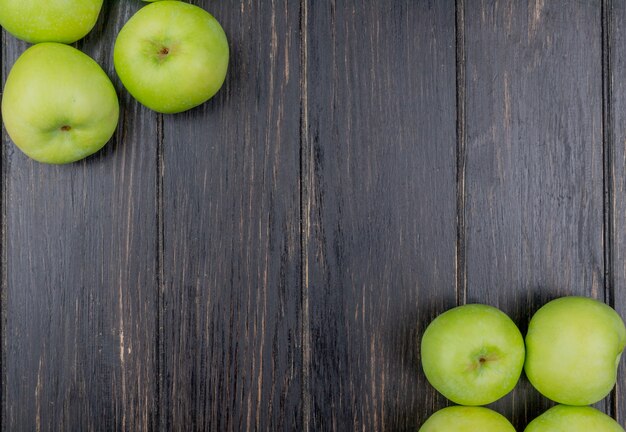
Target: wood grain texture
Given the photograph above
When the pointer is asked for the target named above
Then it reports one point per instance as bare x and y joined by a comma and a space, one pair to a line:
380, 208
616, 182
81, 294
534, 170
231, 203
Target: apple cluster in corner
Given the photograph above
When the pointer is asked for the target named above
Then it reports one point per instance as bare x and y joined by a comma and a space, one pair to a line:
171, 56
474, 355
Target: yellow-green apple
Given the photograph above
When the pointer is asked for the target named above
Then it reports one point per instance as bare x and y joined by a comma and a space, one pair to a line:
171, 56
562, 418
473, 354
466, 419
37, 21
573, 348
58, 105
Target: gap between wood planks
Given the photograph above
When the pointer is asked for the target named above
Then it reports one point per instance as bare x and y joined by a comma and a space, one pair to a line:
306, 186
461, 275
160, 355
608, 145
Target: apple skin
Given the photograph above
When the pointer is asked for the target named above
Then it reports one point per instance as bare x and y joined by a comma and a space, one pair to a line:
172, 56
473, 354
466, 419
37, 21
58, 105
573, 347
562, 418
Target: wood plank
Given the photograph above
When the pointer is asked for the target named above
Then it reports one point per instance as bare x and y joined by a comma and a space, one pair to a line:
81, 293
380, 212
231, 222
534, 170
616, 181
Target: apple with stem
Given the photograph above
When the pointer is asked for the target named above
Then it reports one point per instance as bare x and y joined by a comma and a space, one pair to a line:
171, 56
466, 419
37, 21
573, 348
58, 105
473, 354
562, 418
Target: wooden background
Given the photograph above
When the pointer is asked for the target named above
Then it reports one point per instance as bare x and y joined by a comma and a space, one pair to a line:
268, 260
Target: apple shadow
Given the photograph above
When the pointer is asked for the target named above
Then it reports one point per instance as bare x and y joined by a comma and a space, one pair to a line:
522, 405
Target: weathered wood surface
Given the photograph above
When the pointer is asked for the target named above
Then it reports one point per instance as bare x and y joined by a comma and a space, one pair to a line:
268, 260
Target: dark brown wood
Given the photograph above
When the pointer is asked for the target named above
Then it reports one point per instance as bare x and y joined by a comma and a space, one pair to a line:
81, 290
534, 172
379, 207
231, 220
269, 260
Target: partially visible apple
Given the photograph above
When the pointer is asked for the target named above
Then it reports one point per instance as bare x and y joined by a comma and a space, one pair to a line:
172, 56
58, 105
466, 419
50, 20
562, 418
473, 354
573, 348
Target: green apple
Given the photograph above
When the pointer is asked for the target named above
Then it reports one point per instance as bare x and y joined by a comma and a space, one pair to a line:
466, 419
49, 20
473, 354
573, 348
562, 418
58, 105
171, 56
